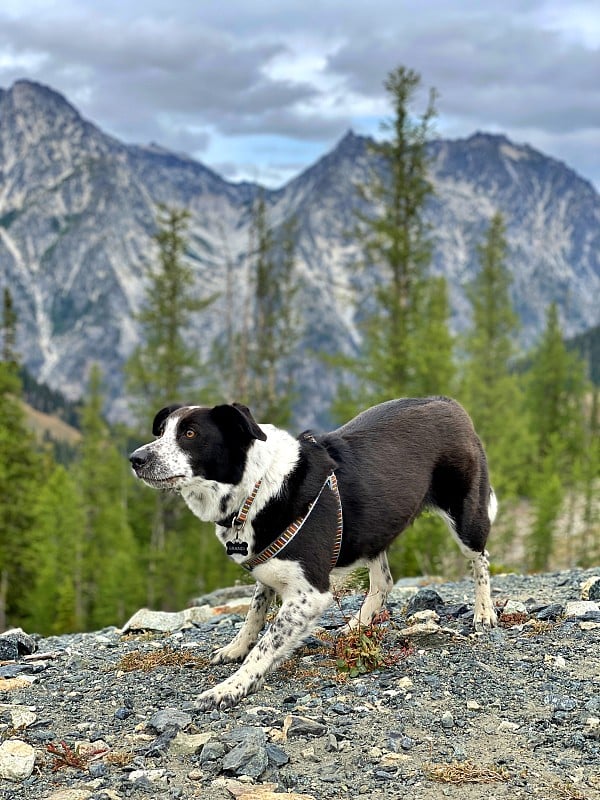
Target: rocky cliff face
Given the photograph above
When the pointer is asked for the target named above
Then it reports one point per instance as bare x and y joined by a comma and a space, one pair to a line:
78, 208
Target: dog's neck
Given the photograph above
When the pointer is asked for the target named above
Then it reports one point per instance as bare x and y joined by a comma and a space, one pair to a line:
270, 462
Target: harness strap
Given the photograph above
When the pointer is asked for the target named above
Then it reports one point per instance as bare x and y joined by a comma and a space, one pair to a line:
290, 532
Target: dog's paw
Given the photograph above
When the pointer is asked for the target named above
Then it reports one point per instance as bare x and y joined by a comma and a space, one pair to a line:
223, 695
485, 620
230, 654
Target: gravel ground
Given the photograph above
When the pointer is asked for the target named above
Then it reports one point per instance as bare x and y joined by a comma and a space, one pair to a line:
514, 713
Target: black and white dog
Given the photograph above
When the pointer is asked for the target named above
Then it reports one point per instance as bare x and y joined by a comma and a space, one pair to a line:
277, 509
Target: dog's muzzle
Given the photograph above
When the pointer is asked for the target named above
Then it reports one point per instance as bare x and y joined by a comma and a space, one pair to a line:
143, 463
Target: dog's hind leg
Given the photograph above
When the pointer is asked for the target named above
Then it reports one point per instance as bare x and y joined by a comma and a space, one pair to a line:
470, 533
242, 643
484, 617
380, 585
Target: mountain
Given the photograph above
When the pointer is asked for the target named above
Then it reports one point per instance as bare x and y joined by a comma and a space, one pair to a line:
78, 209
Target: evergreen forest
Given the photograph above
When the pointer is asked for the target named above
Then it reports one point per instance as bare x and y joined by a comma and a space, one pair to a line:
83, 544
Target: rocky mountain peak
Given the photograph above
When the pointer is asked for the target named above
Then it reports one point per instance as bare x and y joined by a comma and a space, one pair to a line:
78, 209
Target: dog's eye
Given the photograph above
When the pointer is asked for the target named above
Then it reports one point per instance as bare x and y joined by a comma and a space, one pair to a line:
190, 434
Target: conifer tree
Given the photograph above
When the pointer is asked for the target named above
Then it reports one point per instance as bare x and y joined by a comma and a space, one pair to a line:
113, 587
407, 347
164, 369
490, 389
556, 400
275, 322
17, 470
56, 598
395, 238
555, 392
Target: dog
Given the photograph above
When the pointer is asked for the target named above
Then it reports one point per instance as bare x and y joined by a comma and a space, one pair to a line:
294, 511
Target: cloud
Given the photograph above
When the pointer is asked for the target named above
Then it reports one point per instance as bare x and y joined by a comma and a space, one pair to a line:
208, 77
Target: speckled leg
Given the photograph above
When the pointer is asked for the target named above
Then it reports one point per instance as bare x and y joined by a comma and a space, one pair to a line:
246, 638
302, 605
485, 616
380, 585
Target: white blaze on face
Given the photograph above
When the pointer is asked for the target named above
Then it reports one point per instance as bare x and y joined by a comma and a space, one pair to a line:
167, 462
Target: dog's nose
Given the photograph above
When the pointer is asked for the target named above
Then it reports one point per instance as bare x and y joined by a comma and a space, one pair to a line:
138, 458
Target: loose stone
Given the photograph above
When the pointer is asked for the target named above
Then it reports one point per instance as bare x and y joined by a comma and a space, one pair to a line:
17, 759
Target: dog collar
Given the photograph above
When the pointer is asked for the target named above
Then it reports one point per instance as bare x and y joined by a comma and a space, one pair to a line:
290, 532
237, 521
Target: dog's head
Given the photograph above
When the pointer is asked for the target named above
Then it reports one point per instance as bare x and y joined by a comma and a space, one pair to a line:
195, 442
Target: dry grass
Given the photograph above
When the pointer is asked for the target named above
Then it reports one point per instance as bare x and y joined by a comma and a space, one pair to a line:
562, 790
163, 657
459, 772
119, 758
47, 424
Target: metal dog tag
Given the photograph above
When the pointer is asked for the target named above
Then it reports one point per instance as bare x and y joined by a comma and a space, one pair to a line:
237, 548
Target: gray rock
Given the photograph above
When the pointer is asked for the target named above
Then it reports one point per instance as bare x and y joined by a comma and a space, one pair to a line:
168, 717
167, 621
303, 726
277, 756
424, 600
8, 649
16, 641
582, 610
249, 757
514, 607
560, 702
590, 589
212, 751
551, 612
447, 720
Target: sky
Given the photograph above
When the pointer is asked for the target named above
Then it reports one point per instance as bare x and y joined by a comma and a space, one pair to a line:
259, 89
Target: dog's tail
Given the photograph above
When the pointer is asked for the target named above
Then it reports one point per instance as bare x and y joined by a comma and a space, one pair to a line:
492, 505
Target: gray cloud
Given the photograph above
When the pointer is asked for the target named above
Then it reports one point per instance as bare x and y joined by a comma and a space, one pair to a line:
188, 74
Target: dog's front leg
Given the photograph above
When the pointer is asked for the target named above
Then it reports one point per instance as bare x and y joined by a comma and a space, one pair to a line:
300, 610
242, 643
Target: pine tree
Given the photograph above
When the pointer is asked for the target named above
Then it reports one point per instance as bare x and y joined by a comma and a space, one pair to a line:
112, 581
555, 392
490, 388
275, 322
165, 368
588, 478
407, 348
548, 495
556, 400
17, 468
55, 601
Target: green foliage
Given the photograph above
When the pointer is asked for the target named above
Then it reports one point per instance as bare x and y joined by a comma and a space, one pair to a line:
19, 470
407, 348
556, 389
165, 368
112, 575
360, 651
55, 601
548, 495
490, 389
264, 334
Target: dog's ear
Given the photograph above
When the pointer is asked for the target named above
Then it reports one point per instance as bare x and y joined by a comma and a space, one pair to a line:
160, 419
239, 418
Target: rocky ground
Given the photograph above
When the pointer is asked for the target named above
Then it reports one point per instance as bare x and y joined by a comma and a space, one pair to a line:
514, 713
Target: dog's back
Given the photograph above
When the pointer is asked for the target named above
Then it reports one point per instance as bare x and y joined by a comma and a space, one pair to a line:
401, 456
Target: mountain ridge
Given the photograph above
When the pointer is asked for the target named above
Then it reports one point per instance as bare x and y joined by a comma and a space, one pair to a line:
77, 214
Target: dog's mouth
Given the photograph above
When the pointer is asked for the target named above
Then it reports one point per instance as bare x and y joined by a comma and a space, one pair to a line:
162, 483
